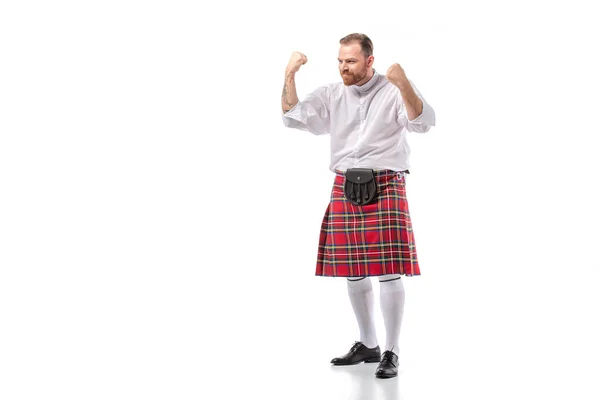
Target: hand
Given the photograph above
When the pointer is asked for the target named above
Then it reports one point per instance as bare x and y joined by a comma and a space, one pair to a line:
396, 75
296, 61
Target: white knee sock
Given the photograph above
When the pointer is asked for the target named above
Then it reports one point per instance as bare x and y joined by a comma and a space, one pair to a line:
391, 292
361, 298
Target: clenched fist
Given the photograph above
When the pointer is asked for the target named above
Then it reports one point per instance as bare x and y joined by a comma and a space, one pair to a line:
296, 61
395, 74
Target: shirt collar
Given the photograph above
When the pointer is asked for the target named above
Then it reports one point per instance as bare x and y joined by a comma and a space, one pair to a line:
368, 85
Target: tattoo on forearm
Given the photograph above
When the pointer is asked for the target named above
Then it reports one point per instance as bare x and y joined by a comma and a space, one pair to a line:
284, 96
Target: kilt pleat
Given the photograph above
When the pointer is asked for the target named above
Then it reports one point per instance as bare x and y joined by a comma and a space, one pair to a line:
372, 240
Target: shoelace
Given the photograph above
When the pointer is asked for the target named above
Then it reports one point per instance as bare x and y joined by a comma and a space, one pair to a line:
355, 347
388, 356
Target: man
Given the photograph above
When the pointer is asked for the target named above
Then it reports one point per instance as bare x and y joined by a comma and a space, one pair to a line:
366, 229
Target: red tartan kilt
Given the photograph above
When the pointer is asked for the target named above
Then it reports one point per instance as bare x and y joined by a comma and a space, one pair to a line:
376, 239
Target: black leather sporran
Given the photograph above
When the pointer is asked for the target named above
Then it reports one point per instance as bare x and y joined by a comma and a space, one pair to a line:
360, 186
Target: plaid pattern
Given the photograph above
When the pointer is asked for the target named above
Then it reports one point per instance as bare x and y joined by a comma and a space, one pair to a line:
371, 240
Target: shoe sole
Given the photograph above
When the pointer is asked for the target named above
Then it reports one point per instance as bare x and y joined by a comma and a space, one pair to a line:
366, 361
385, 376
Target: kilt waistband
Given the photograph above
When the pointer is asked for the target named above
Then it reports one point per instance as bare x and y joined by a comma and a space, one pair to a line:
378, 173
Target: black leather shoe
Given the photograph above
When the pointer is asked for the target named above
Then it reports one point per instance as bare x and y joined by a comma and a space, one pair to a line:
388, 367
357, 354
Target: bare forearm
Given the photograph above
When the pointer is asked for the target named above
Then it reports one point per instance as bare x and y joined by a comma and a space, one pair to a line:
289, 97
412, 102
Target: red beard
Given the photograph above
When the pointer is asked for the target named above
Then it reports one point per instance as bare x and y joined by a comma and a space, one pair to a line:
350, 78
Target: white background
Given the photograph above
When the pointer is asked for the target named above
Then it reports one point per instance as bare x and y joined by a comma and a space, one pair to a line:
158, 224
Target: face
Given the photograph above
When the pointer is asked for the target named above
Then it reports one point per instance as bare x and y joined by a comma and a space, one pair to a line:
353, 64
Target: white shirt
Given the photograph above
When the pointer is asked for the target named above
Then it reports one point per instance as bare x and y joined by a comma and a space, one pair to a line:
367, 124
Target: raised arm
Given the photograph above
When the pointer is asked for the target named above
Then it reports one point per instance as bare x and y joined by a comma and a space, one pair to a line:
416, 114
414, 105
289, 97
311, 114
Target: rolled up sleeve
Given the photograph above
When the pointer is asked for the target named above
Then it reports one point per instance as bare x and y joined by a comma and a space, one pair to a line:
423, 122
311, 114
